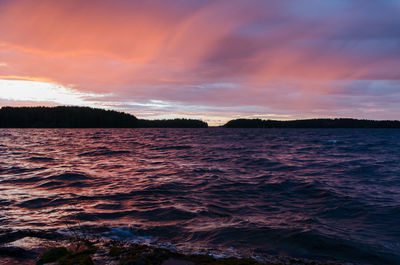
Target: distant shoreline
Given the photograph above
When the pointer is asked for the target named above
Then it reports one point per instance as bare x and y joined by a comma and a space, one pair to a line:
91, 118
83, 117
338, 123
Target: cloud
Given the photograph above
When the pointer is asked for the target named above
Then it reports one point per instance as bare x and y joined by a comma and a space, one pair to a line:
300, 58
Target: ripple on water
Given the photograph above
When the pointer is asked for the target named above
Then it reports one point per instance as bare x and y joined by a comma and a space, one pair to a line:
104, 153
320, 193
40, 159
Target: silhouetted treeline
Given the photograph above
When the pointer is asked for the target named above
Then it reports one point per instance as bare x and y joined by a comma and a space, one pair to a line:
85, 117
82, 117
311, 123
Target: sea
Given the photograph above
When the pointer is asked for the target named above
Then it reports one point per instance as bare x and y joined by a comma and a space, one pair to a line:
320, 194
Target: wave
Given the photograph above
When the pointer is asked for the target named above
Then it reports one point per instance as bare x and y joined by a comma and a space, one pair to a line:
18, 170
260, 191
69, 176
173, 147
40, 159
104, 153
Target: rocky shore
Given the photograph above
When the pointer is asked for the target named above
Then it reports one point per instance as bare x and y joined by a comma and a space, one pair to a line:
28, 247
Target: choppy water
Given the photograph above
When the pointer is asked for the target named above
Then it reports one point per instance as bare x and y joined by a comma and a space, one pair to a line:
305, 193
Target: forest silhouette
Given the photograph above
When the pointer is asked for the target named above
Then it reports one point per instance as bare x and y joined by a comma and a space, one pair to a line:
86, 117
83, 117
312, 123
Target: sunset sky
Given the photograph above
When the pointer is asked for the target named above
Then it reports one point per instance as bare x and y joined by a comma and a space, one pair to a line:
212, 60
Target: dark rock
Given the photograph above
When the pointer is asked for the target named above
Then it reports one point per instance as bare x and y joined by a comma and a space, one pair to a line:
177, 262
53, 255
136, 262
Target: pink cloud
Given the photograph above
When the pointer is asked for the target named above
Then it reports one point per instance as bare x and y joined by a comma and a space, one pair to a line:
230, 54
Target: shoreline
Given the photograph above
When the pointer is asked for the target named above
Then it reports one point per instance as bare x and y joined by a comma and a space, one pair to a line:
86, 117
28, 247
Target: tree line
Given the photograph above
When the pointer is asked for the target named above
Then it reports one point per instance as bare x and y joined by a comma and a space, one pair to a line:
83, 117
86, 117
312, 123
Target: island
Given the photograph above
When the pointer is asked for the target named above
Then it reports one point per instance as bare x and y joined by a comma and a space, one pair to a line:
83, 117
87, 117
313, 123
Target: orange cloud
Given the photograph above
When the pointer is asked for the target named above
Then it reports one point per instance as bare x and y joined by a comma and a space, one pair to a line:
271, 56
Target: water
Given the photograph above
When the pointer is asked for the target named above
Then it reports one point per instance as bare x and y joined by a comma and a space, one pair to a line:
322, 194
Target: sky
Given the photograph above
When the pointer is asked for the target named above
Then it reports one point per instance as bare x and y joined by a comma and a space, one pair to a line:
211, 60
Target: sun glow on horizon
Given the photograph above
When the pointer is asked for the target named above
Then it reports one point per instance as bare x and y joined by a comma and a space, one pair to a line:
41, 91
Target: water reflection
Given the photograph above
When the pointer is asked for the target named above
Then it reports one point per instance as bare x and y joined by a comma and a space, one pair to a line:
264, 190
